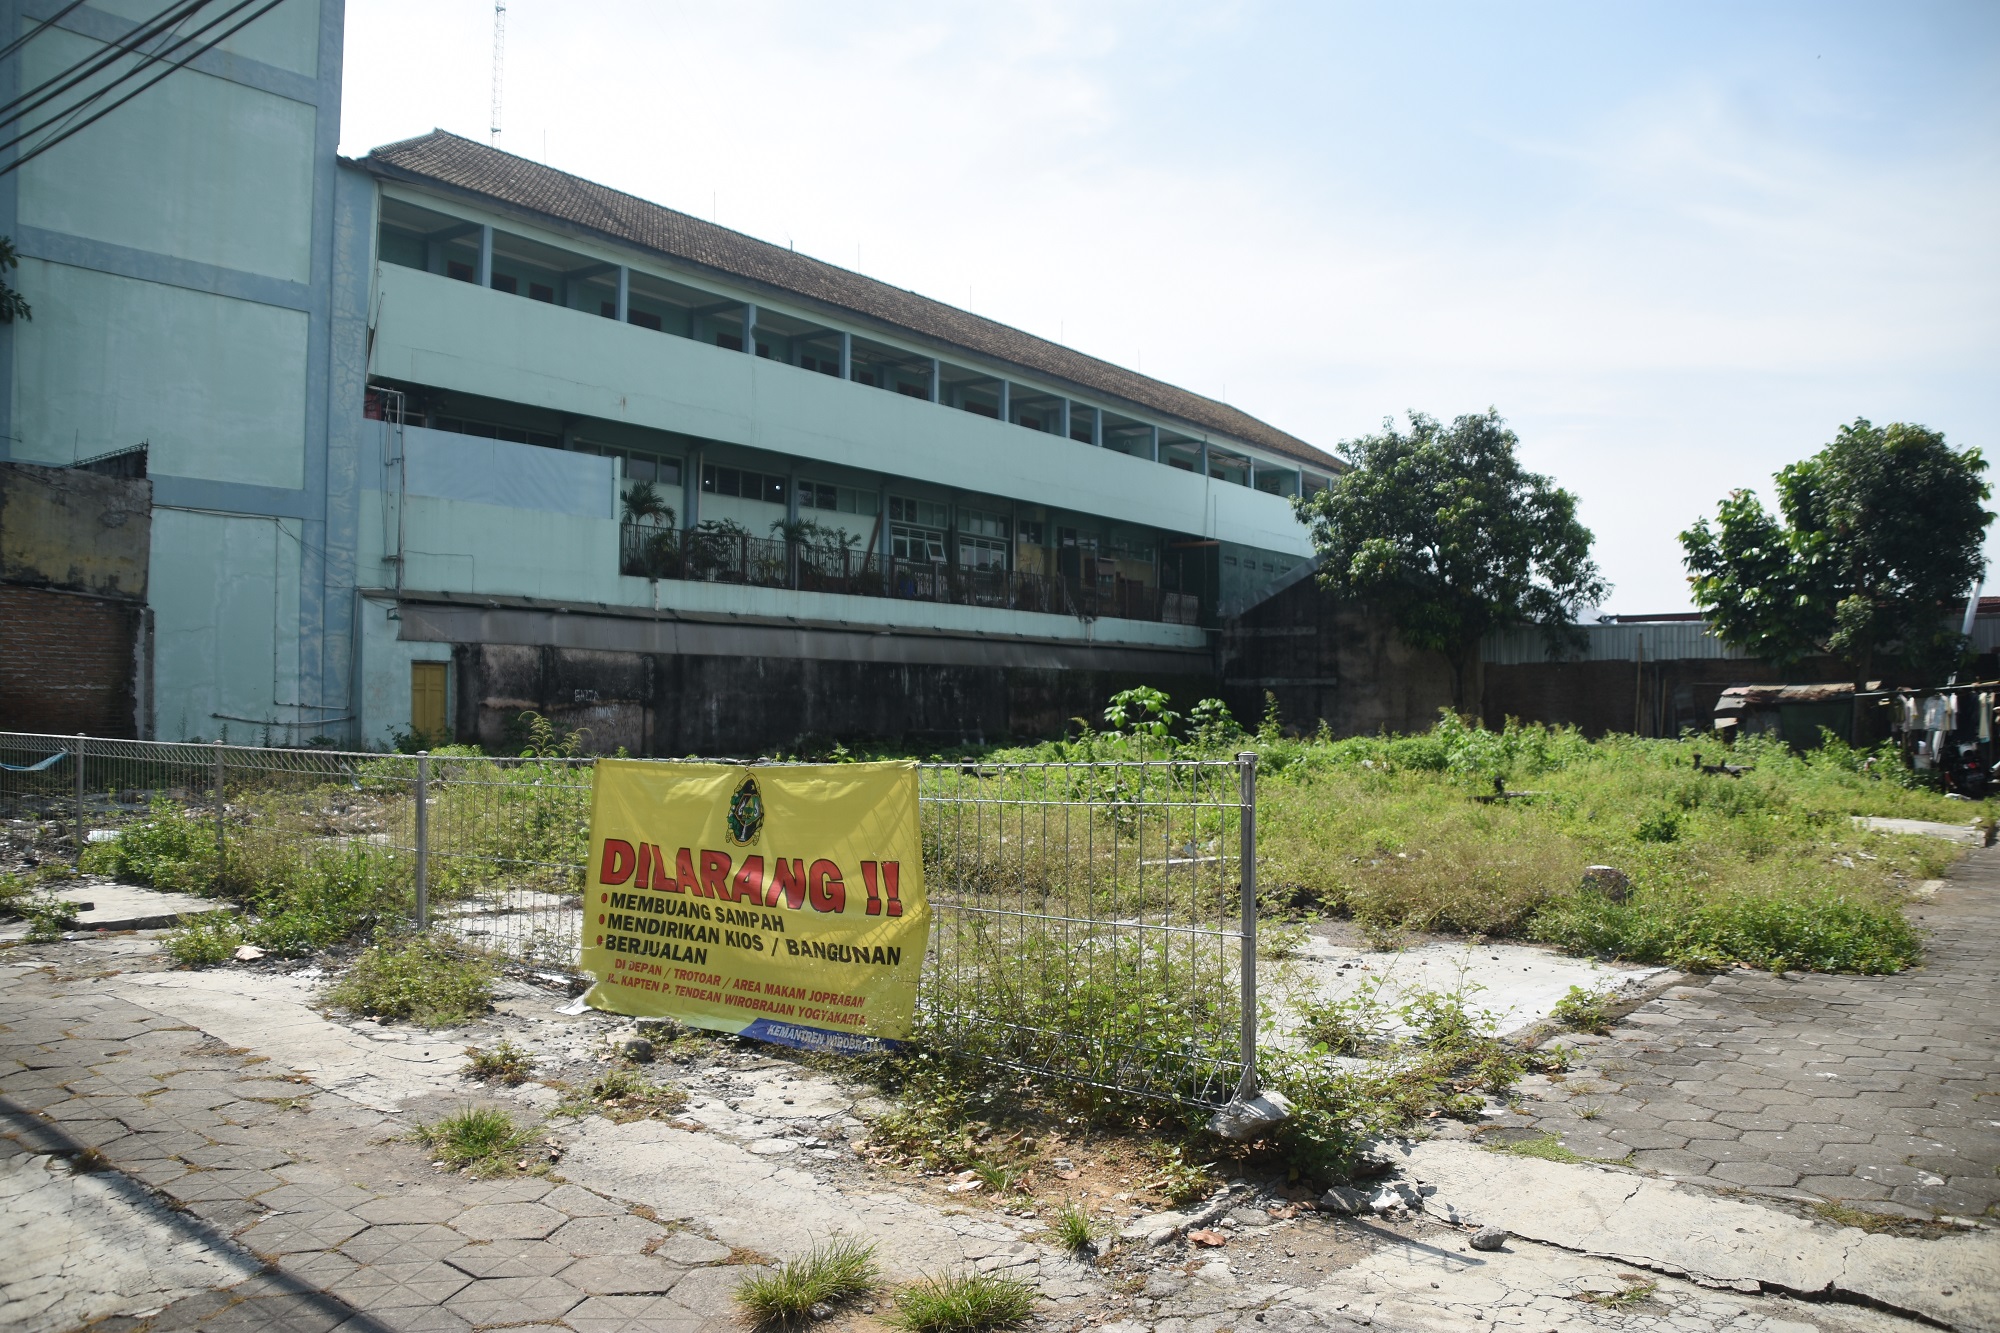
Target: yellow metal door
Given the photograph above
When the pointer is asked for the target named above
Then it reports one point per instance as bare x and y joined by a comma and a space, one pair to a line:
427, 713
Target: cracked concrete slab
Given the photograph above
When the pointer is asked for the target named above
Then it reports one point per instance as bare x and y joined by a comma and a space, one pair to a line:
1671, 1228
80, 1248
275, 1016
1518, 984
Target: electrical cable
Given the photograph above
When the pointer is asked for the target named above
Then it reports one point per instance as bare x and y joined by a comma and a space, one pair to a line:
36, 31
147, 59
49, 143
99, 60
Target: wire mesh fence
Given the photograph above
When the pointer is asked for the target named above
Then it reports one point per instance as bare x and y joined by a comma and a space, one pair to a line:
1093, 923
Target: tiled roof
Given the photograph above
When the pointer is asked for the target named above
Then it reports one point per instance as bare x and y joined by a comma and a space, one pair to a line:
441, 159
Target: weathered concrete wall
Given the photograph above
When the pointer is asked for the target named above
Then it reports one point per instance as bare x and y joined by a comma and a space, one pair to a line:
1330, 661
1653, 699
664, 704
64, 528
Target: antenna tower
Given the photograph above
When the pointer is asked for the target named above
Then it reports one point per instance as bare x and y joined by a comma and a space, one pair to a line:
499, 62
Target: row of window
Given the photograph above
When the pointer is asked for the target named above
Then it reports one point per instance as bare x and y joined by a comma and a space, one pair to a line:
1276, 480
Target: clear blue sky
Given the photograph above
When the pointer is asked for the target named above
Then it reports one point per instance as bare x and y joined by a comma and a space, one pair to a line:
1675, 244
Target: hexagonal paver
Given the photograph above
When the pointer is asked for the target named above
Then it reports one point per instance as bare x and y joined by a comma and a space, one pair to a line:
300, 1233
409, 1206
507, 1221
634, 1314
712, 1291
623, 1275
384, 1286
514, 1300
400, 1241
685, 1247
624, 1234
510, 1258
576, 1201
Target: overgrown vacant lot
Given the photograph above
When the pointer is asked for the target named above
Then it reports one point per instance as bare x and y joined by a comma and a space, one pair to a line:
1767, 868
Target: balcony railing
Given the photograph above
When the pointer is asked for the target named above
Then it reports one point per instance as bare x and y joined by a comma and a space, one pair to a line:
722, 556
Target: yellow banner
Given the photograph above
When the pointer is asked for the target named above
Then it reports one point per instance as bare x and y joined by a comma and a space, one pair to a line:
779, 902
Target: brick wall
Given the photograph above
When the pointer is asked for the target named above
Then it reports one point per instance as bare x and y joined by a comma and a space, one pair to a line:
66, 662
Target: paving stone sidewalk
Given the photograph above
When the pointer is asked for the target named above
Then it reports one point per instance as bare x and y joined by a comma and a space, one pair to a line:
1877, 1092
353, 1230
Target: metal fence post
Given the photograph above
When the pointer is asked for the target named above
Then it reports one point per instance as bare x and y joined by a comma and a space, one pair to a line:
80, 830
423, 839
1246, 777
221, 841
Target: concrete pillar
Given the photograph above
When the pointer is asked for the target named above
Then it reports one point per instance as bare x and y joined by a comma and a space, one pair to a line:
750, 329
484, 275
1153, 443
1006, 411
624, 294
691, 490
792, 495
847, 356
937, 378
1204, 459
1063, 418
1097, 427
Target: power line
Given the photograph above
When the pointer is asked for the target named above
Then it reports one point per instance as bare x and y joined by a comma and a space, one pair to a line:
36, 31
151, 58
44, 147
97, 61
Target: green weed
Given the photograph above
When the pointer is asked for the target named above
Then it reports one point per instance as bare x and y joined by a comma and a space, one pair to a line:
483, 1140
963, 1304
204, 940
1547, 1148
1071, 1229
810, 1286
421, 978
48, 917
1583, 1011
1180, 1180
505, 1063
621, 1095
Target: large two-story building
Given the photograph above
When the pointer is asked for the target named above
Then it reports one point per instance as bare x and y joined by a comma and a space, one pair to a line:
442, 435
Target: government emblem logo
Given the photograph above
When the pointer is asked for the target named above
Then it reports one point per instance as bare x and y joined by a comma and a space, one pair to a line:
746, 813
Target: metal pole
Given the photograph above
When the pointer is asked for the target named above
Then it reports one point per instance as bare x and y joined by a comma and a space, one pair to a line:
1246, 778
221, 843
423, 840
80, 738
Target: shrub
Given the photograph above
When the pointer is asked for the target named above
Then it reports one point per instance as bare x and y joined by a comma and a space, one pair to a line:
1583, 1011
826, 1275
49, 917
204, 940
422, 978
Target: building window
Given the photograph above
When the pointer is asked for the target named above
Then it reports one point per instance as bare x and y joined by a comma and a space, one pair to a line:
1031, 533
981, 553
978, 523
1180, 463
837, 499
644, 320
984, 410
458, 270
919, 513
541, 291
729, 342
824, 365
1032, 423
608, 309
487, 430
913, 390
866, 377
764, 350
920, 545
747, 485
508, 283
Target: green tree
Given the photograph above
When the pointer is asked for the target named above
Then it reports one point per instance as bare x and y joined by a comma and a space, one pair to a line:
13, 305
1875, 537
1444, 530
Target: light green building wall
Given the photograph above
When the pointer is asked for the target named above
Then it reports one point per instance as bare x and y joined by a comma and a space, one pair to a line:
177, 257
